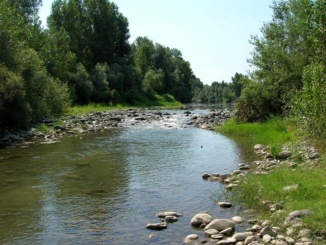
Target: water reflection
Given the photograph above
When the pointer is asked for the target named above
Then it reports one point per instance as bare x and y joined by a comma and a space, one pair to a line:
105, 187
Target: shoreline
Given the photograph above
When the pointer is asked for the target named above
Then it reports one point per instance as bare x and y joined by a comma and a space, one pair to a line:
71, 125
265, 231
260, 231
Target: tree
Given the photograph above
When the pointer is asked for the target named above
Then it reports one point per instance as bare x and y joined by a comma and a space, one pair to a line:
60, 61
290, 43
143, 55
81, 86
236, 84
308, 106
28, 93
28, 9
100, 82
284, 49
152, 82
96, 33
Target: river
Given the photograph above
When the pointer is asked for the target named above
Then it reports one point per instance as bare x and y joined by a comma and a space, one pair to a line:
103, 188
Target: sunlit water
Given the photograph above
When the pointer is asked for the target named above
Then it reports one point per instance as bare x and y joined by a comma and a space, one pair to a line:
103, 188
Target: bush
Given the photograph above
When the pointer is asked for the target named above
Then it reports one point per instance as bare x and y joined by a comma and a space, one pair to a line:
309, 106
100, 82
80, 85
14, 109
256, 103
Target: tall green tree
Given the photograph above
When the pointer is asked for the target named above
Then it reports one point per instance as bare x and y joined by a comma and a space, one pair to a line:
284, 49
309, 104
143, 49
293, 40
97, 33
27, 91
28, 9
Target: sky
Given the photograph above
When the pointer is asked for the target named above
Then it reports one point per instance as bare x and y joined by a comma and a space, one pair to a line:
213, 35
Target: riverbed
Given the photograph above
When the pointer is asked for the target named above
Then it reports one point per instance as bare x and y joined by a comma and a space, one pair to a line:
104, 187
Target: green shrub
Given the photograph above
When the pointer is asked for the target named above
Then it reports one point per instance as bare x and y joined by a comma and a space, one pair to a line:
256, 103
309, 106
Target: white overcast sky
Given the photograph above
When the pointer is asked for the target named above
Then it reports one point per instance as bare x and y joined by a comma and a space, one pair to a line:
213, 35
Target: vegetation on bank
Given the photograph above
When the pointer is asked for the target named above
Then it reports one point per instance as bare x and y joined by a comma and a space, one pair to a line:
290, 74
307, 177
219, 92
84, 56
272, 132
165, 101
283, 102
309, 193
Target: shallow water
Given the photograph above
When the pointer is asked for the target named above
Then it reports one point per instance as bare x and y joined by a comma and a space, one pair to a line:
103, 188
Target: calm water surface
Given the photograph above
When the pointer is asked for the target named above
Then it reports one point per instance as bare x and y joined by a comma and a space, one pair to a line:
103, 188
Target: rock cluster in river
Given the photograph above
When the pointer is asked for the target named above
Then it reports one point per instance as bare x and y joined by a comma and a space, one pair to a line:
103, 121
74, 125
165, 218
211, 120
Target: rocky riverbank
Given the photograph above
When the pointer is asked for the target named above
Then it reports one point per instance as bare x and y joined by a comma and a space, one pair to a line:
208, 229
247, 229
290, 232
102, 121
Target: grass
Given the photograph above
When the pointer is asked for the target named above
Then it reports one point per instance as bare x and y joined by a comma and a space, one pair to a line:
166, 101
255, 189
43, 128
92, 107
310, 194
273, 132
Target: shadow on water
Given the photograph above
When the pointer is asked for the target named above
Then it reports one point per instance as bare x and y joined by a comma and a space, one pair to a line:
105, 187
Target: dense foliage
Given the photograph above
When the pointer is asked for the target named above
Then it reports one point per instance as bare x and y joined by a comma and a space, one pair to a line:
83, 56
290, 66
219, 92
27, 91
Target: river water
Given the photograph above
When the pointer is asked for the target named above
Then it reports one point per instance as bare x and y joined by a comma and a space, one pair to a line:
103, 188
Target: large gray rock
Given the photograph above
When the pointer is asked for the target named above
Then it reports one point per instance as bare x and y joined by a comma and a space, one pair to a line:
268, 231
250, 239
241, 236
267, 238
228, 241
259, 147
210, 232
191, 238
201, 219
225, 204
237, 219
283, 155
217, 236
156, 226
220, 224
296, 214
170, 219
223, 242
168, 213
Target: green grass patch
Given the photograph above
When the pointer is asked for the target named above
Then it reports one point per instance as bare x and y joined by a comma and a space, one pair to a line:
310, 180
92, 107
309, 194
273, 132
166, 101
43, 128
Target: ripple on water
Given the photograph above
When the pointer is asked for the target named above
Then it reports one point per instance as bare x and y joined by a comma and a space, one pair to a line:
106, 187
